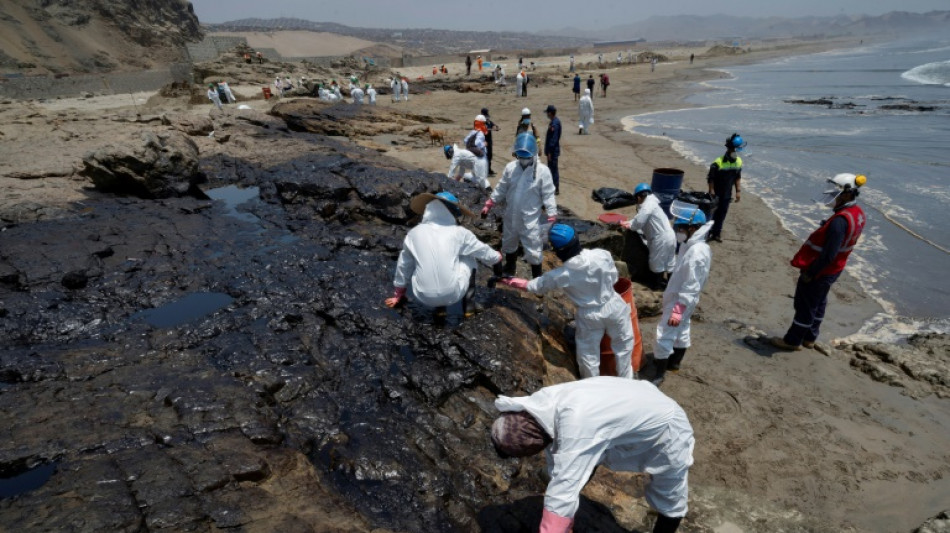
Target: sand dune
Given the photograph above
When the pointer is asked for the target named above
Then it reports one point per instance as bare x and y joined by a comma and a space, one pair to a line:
302, 43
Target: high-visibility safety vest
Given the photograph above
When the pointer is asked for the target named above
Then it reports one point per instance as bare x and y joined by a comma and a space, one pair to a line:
812, 248
726, 165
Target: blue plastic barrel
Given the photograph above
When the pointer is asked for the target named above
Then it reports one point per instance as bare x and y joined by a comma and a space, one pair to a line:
666, 186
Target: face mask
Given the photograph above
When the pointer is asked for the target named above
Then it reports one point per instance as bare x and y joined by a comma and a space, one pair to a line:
526, 122
681, 236
525, 162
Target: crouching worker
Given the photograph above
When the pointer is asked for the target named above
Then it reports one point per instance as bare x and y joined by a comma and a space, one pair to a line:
626, 425
438, 259
655, 227
587, 277
682, 292
525, 186
463, 163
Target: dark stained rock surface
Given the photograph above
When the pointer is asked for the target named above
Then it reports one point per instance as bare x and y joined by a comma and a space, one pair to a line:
151, 165
294, 401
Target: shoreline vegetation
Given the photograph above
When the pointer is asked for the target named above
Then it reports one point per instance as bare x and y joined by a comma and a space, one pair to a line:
845, 438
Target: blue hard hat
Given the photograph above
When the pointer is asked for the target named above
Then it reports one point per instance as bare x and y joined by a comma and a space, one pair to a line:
736, 141
526, 145
448, 150
696, 217
561, 235
642, 187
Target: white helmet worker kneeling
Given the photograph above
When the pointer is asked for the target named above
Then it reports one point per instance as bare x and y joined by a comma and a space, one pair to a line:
682, 292
626, 425
652, 222
587, 277
463, 163
526, 186
438, 258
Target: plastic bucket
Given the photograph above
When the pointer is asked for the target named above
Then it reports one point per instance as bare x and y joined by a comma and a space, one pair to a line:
666, 186
608, 363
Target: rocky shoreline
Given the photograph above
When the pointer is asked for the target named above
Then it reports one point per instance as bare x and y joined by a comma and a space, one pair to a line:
292, 399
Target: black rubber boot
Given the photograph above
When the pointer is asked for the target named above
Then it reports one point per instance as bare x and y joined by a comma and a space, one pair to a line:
511, 264
535, 271
676, 359
660, 375
497, 270
665, 524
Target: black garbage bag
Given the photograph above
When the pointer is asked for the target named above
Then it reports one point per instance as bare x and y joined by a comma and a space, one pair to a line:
704, 200
613, 198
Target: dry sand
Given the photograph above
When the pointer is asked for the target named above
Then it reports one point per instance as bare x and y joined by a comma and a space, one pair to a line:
302, 43
797, 442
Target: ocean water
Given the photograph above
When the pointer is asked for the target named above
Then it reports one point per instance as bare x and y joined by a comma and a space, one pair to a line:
871, 127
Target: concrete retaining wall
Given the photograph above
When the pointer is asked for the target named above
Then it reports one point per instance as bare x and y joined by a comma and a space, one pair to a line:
112, 83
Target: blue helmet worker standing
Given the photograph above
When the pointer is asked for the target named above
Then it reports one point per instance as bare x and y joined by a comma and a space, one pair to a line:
681, 296
725, 173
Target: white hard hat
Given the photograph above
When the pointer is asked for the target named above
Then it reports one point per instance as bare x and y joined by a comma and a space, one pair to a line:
480, 118
848, 181
525, 111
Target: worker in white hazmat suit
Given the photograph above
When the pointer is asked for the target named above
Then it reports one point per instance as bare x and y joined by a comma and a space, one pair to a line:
587, 277
525, 186
463, 163
519, 84
655, 227
396, 88
405, 89
438, 260
585, 111
371, 94
357, 94
477, 142
625, 425
682, 292
214, 96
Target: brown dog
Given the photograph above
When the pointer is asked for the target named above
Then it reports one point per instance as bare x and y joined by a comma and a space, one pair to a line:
436, 136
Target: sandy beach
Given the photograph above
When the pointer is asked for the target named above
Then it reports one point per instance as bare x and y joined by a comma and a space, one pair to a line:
785, 441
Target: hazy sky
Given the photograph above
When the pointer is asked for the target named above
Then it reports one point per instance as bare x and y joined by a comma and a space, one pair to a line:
533, 15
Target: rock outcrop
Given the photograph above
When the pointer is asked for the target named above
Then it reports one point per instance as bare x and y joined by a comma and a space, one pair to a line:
152, 165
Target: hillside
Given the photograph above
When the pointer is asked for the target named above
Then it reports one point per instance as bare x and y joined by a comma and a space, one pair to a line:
69, 36
418, 41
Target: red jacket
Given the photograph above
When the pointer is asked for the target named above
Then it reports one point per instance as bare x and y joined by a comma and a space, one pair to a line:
811, 250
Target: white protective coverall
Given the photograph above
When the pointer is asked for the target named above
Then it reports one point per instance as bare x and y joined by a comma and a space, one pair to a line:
227, 92
519, 84
588, 280
357, 94
481, 163
438, 257
322, 94
371, 94
405, 90
686, 283
396, 88
525, 191
214, 97
585, 109
463, 165
624, 424
337, 93
658, 233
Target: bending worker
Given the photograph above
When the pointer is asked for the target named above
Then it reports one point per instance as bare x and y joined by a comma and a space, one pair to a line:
626, 425
438, 258
822, 259
525, 187
682, 292
463, 163
724, 174
587, 277
651, 221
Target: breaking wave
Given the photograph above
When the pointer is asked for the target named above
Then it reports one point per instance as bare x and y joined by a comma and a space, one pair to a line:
937, 73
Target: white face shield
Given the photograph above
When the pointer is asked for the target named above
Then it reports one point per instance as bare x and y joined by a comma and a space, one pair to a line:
526, 162
829, 195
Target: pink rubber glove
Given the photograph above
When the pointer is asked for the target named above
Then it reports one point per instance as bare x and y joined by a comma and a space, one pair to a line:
516, 283
554, 523
398, 295
552, 219
677, 315
488, 205
625, 224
